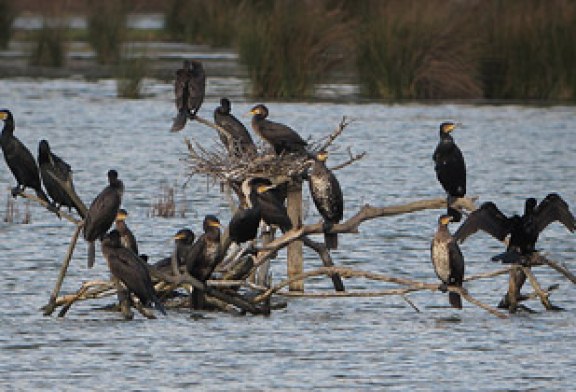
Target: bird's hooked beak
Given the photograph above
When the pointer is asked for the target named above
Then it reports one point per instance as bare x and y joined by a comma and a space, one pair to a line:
448, 127
3, 115
214, 224
121, 216
179, 236
265, 188
446, 219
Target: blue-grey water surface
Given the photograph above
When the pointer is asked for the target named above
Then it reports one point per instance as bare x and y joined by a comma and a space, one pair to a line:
512, 152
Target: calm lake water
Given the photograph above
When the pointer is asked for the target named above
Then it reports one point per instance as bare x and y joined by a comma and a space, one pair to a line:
512, 152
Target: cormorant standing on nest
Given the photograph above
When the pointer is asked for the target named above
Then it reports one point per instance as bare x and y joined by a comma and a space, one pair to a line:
447, 259
127, 267
189, 89
51, 167
19, 159
102, 213
523, 230
450, 167
240, 142
183, 241
245, 222
327, 196
280, 136
127, 238
204, 257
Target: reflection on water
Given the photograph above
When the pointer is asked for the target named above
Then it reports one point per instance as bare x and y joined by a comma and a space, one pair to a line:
512, 152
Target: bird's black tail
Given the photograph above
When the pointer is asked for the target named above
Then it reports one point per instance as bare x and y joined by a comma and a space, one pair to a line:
331, 241
455, 300
455, 214
91, 254
179, 121
158, 305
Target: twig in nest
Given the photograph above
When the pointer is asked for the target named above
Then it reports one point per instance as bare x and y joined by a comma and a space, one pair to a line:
351, 160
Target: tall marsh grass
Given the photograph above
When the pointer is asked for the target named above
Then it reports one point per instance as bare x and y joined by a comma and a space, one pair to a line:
530, 49
288, 46
107, 29
49, 49
415, 49
7, 16
130, 76
198, 21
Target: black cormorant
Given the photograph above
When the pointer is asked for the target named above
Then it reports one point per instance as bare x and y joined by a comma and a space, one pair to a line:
130, 269
183, 241
280, 136
523, 230
19, 159
450, 167
241, 142
189, 89
127, 238
205, 255
327, 196
51, 167
272, 208
447, 259
102, 213
245, 222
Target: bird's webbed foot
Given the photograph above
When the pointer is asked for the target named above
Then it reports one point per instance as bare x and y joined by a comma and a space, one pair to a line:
443, 287
52, 207
555, 308
16, 190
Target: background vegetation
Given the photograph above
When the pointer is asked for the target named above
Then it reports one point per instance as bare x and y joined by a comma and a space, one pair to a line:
394, 49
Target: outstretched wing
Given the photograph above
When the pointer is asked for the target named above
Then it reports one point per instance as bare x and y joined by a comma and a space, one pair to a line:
487, 218
553, 209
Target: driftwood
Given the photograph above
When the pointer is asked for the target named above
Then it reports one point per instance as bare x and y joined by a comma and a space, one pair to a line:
231, 170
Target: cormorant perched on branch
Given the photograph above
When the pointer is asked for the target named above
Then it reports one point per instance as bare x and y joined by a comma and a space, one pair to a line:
127, 238
241, 142
126, 266
204, 257
54, 169
244, 224
272, 208
19, 159
523, 230
447, 259
450, 167
280, 136
327, 196
102, 213
184, 241
189, 89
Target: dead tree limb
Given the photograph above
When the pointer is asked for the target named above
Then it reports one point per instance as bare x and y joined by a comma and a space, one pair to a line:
43, 203
412, 285
352, 224
541, 293
559, 268
49, 308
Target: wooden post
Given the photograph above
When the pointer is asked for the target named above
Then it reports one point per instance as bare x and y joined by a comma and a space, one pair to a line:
295, 258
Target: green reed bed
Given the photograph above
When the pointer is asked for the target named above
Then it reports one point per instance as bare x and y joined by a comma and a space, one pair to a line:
197, 21
287, 47
49, 48
7, 16
107, 29
530, 49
